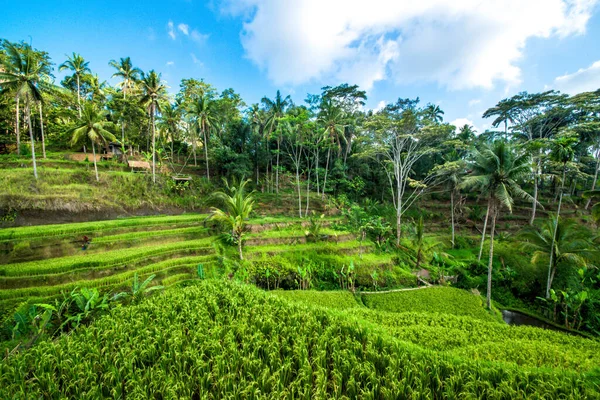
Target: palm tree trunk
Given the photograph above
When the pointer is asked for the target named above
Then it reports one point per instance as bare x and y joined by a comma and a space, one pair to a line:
307, 186
487, 214
398, 212
317, 168
123, 135
535, 192
240, 248
78, 96
552, 260
490, 265
153, 145
452, 214
194, 146
587, 205
42, 128
206, 151
18, 128
277, 167
326, 169
95, 165
28, 113
299, 191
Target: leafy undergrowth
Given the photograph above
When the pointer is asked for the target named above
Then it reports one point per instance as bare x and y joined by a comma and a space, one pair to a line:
226, 340
444, 300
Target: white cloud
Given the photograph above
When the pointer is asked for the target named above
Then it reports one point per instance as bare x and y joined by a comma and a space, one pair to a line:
457, 44
170, 63
184, 28
380, 106
460, 122
474, 102
199, 37
171, 30
196, 60
584, 80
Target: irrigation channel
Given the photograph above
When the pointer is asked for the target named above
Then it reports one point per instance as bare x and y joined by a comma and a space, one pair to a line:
517, 318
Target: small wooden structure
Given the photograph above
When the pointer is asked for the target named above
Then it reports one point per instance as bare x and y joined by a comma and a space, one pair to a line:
179, 178
138, 166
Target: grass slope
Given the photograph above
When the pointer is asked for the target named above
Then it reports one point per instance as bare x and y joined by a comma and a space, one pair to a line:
225, 340
444, 300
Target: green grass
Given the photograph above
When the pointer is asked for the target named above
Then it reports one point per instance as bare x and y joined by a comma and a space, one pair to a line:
99, 260
226, 340
56, 230
341, 300
444, 300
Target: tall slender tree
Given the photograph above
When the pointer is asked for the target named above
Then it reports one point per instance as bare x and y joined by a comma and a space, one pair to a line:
153, 92
129, 76
496, 171
276, 110
204, 114
93, 126
76, 64
24, 73
332, 119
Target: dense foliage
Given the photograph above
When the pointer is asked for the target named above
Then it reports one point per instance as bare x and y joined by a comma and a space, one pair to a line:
222, 340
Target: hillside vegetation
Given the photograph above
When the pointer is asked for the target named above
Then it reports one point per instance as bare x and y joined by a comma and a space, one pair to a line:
219, 340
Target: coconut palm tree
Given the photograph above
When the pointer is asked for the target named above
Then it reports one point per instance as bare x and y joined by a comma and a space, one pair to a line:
129, 74
25, 73
563, 151
93, 126
169, 122
97, 88
77, 64
276, 110
496, 171
434, 113
203, 111
565, 243
450, 175
503, 111
333, 120
153, 93
236, 211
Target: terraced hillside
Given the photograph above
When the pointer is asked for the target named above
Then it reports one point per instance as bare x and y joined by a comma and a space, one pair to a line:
40, 262
229, 340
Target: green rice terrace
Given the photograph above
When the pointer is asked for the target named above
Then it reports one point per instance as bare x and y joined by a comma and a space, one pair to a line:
180, 242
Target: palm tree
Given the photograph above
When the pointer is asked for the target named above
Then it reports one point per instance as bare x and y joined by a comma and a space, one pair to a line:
96, 88
503, 111
434, 113
496, 170
77, 64
466, 133
25, 72
276, 110
129, 74
169, 122
237, 208
450, 175
258, 119
204, 113
93, 126
563, 242
563, 151
153, 93
333, 120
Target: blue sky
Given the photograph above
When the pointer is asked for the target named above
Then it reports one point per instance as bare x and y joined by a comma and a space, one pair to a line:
464, 55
